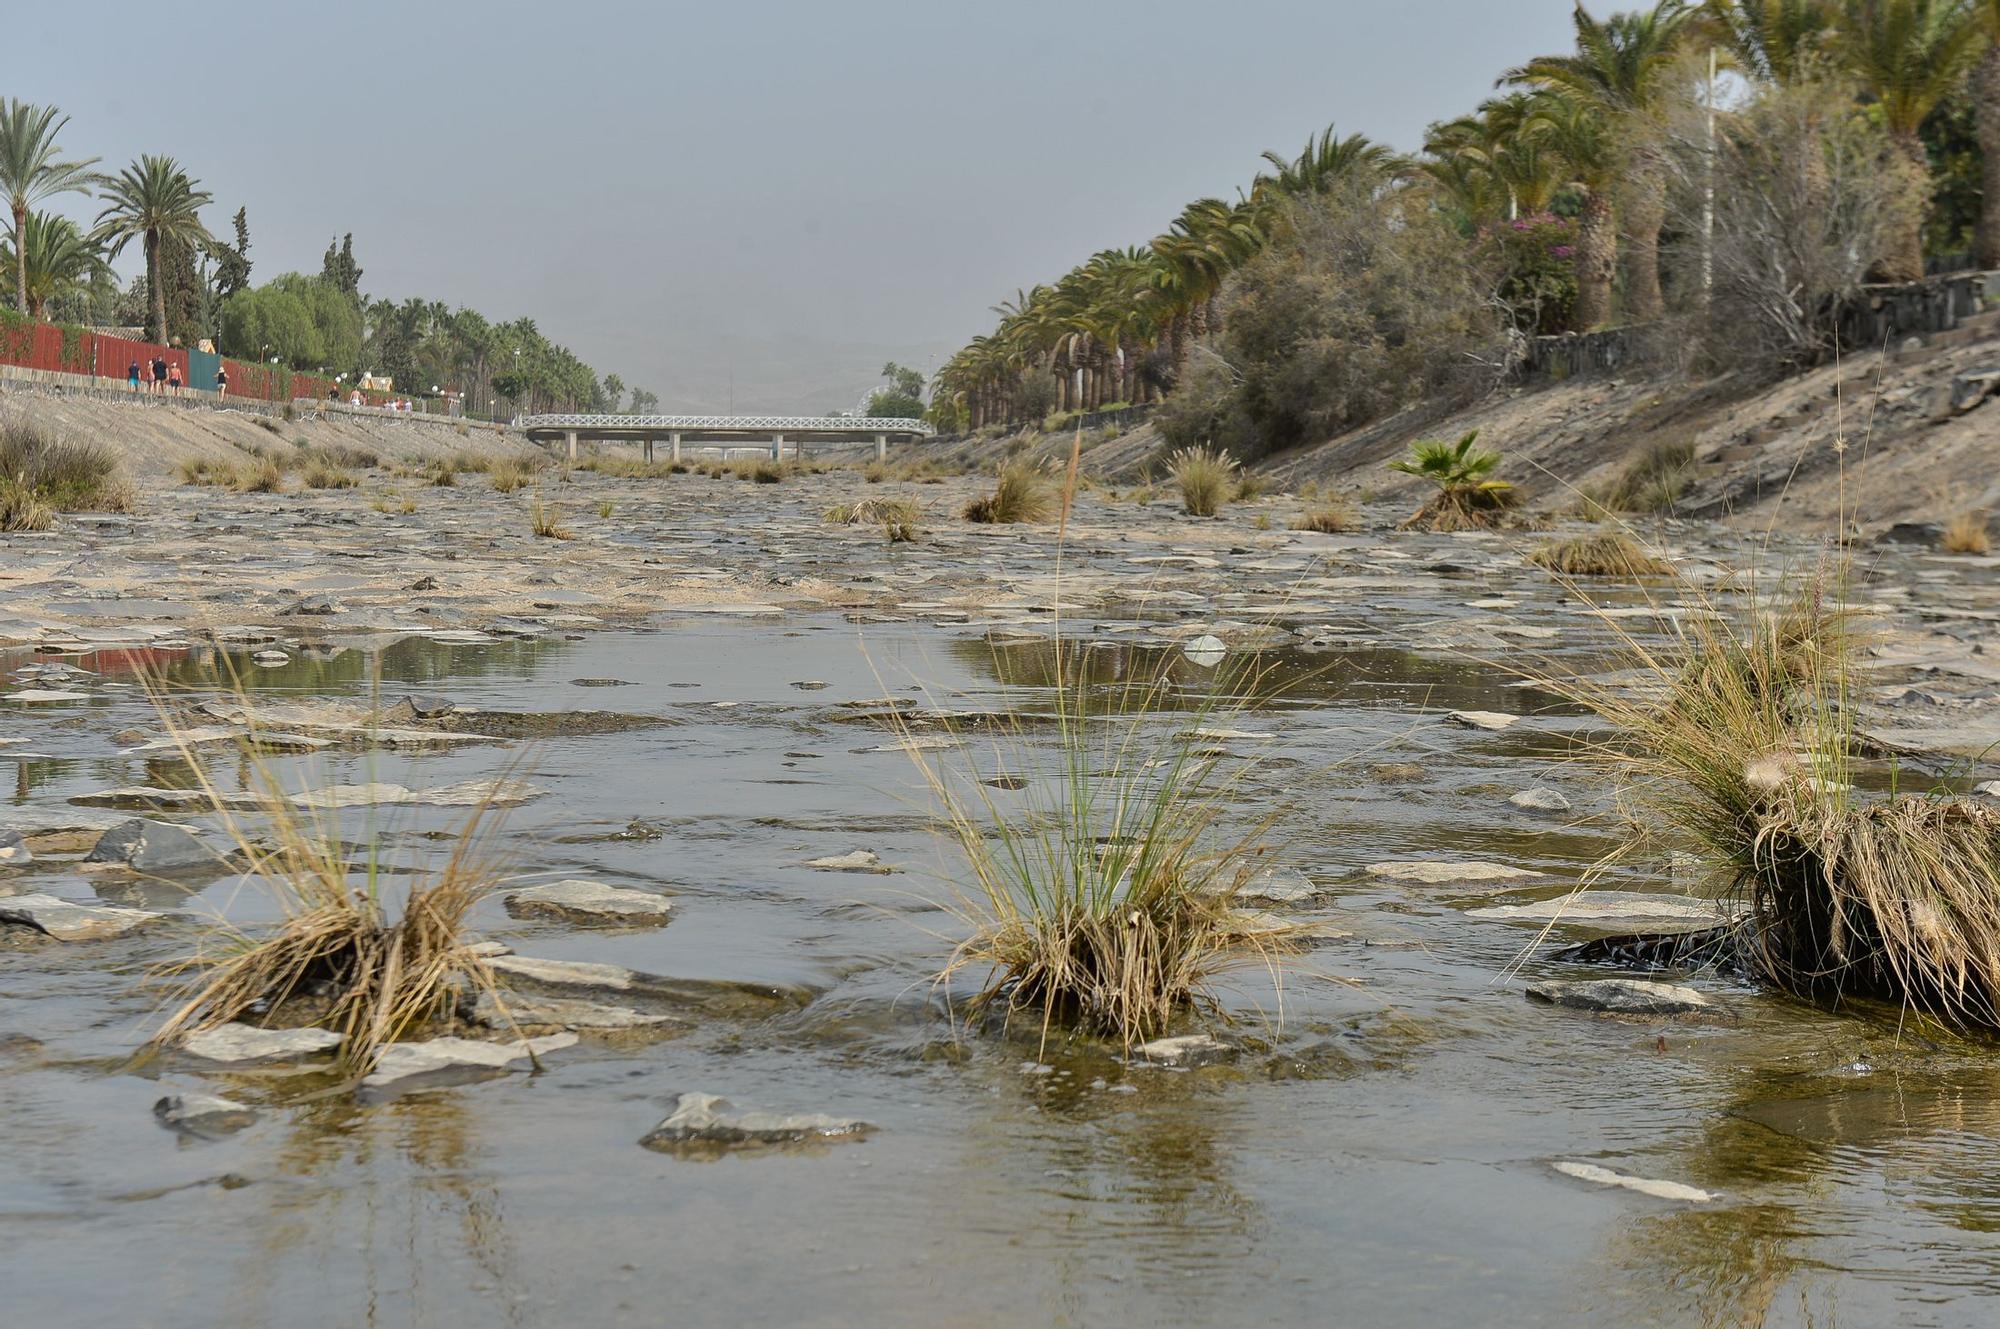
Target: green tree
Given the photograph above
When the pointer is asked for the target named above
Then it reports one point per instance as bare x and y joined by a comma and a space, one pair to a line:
614, 392
269, 321
232, 261
339, 269
58, 260
31, 170
1909, 55
154, 201
644, 402
1620, 72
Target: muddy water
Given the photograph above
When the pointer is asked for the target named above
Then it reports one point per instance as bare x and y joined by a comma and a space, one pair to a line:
1379, 1153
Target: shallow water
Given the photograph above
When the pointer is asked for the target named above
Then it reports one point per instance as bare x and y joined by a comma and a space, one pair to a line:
1380, 1153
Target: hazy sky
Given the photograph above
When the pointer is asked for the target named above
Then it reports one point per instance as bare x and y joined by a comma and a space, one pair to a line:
774, 194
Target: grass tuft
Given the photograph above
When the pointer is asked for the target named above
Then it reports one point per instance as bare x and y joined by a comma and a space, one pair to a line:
45, 470
1329, 515
1966, 534
874, 512
508, 474
319, 473
262, 477
1020, 494
1610, 554
1206, 479
546, 522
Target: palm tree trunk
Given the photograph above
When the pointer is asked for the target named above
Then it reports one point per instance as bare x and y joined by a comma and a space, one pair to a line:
1596, 258
1986, 122
1904, 260
1177, 342
21, 258
1645, 213
153, 276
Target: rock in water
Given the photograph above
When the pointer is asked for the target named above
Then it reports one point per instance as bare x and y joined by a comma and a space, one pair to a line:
519, 1008
1206, 651
240, 1044
1438, 874
590, 902
65, 920
1540, 799
441, 1061
153, 847
1188, 1050
203, 1114
1494, 720
1278, 885
1619, 996
14, 850
1663, 1190
704, 1121
859, 860
1594, 906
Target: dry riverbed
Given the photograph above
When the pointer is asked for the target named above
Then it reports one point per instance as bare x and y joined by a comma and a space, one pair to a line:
727, 1083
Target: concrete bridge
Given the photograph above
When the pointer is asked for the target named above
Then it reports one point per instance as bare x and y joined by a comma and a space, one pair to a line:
723, 431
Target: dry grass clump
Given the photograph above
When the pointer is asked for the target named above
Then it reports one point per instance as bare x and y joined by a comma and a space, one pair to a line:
442, 475
201, 471
1745, 745
1206, 479
258, 477
351, 951
1250, 485
1330, 515
546, 522
1468, 496
508, 474
1020, 493
22, 509
1653, 481
875, 472
340, 454
1966, 534
44, 469
874, 512
397, 503
1105, 895
1609, 554
465, 461
319, 473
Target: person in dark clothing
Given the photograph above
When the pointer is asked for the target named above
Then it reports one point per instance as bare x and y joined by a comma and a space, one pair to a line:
222, 381
159, 374
132, 375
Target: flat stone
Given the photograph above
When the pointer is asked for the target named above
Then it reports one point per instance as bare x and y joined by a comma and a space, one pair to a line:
66, 920
1206, 650
36, 823
467, 793
1605, 907
1492, 720
241, 1044
705, 1120
568, 1013
1438, 874
14, 850
589, 902
425, 707
203, 1114
1662, 1190
1188, 1050
440, 1061
860, 860
1540, 799
722, 996
1620, 996
1279, 885
153, 847
45, 694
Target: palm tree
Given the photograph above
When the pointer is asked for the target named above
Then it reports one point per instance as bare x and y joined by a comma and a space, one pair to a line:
1772, 41
1326, 163
1578, 134
56, 260
1620, 71
1493, 163
1909, 55
154, 201
31, 171
1986, 124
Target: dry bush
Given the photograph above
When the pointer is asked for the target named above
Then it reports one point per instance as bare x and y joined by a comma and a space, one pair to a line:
546, 522
1610, 554
49, 470
508, 474
258, 477
875, 512
1651, 482
319, 473
1020, 494
22, 509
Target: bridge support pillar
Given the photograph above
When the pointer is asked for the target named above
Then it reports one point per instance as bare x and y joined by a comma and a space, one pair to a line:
646, 447
677, 444
569, 439
881, 447
777, 447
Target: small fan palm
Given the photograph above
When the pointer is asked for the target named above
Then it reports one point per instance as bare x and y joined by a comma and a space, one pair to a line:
1467, 494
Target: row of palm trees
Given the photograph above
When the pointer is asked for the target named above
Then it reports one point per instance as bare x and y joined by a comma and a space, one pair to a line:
155, 202
1589, 127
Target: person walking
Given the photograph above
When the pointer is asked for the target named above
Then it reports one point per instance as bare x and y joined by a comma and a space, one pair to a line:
132, 376
174, 379
160, 374
222, 382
